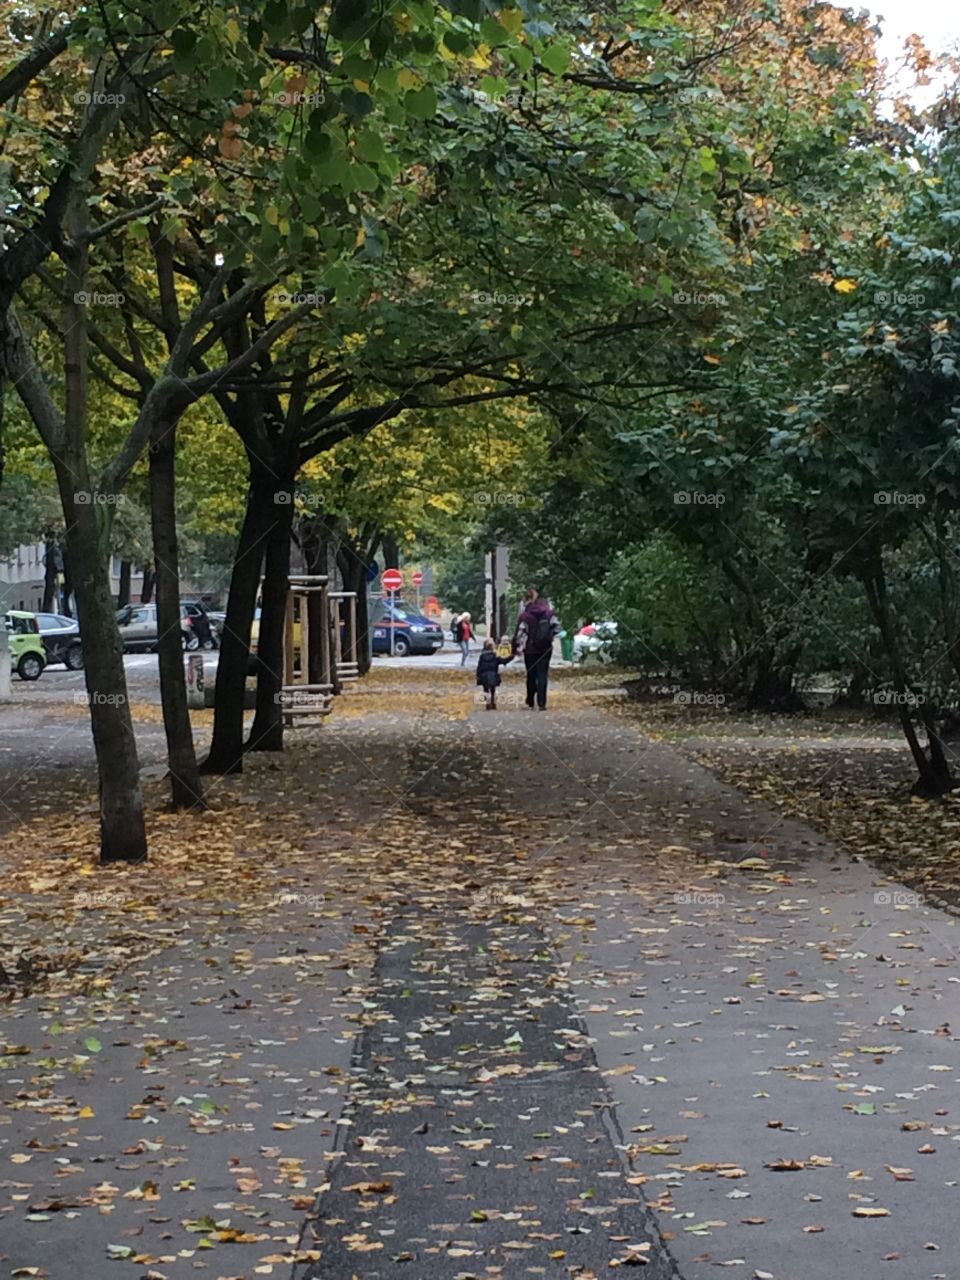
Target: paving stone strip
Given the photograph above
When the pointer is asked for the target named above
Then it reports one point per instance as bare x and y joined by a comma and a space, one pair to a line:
481, 1140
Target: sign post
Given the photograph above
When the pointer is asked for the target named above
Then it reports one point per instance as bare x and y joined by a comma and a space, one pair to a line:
5, 662
391, 582
418, 582
195, 692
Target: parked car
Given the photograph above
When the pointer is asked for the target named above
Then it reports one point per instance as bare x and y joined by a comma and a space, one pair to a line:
138, 628
61, 639
253, 659
27, 656
413, 632
594, 641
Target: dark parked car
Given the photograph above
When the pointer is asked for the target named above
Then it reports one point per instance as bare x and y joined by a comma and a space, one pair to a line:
61, 639
138, 628
413, 632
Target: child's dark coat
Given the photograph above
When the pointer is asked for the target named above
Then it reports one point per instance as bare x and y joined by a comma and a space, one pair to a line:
488, 669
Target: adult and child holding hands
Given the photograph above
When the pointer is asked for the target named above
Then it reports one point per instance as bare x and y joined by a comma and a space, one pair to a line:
537, 628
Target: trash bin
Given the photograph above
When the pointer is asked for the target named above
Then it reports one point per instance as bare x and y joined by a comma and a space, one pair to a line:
566, 647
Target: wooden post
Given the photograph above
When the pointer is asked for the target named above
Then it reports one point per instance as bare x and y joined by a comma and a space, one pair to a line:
325, 672
288, 641
335, 599
353, 656
304, 638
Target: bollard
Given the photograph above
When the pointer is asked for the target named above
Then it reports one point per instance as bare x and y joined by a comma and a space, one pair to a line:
195, 696
6, 693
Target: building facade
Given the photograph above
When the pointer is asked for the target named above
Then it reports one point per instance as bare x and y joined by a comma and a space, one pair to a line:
21, 577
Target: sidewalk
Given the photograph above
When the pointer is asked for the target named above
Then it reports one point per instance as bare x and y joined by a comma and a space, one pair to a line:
589, 1039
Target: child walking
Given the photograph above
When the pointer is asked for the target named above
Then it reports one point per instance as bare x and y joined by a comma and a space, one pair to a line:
488, 673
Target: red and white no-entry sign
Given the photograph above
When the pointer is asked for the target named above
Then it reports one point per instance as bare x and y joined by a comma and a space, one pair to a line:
417, 577
392, 579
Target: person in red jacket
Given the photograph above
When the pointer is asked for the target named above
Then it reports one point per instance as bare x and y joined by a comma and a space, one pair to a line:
465, 634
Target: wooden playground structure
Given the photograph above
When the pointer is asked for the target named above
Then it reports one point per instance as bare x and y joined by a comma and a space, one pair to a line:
319, 647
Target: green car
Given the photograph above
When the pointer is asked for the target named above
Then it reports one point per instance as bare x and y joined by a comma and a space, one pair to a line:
27, 656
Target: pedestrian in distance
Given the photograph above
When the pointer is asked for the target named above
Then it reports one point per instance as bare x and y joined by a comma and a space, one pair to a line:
464, 635
537, 628
488, 672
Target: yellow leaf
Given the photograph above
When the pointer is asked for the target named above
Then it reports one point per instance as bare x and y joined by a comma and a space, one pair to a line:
233, 30
845, 286
86, 1113
272, 215
712, 359
511, 20
481, 58
408, 79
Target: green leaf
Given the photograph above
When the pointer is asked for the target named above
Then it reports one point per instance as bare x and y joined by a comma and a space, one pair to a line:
421, 104
556, 58
370, 146
92, 1044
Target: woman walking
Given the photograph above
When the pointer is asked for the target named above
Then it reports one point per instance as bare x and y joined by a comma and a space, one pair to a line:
465, 633
537, 627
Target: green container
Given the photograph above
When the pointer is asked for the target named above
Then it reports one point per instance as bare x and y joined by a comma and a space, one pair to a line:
566, 647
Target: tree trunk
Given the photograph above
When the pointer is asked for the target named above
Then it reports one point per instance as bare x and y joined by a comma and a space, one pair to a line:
267, 731
146, 591
772, 688
315, 537
122, 831
50, 601
354, 574
186, 791
66, 606
391, 551
123, 589
226, 748
934, 779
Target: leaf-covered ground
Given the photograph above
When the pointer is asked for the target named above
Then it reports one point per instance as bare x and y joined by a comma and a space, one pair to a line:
848, 776
449, 993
